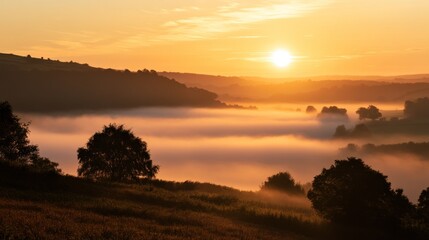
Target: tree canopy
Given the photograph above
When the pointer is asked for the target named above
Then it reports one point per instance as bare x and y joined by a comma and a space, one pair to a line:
417, 109
15, 148
359, 131
283, 182
423, 205
333, 113
115, 154
371, 112
350, 192
310, 109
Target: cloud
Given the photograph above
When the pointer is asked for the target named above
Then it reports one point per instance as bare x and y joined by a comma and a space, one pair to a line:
235, 16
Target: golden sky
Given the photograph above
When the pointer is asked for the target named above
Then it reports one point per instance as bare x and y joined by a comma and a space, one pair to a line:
224, 37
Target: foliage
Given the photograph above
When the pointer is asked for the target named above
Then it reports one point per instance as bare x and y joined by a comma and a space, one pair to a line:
333, 113
283, 182
40, 206
26, 82
334, 110
417, 109
359, 131
115, 154
352, 193
310, 109
423, 204
15, 148
371, 112
420, 149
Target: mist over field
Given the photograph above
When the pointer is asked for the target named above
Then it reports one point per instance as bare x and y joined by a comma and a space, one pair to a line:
212, 145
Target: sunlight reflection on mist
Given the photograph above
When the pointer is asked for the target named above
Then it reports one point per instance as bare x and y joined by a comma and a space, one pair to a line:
238, 148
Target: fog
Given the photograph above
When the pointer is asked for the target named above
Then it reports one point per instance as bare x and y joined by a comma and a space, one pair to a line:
237, 148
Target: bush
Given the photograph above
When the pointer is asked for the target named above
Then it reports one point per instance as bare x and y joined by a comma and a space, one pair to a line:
283, 182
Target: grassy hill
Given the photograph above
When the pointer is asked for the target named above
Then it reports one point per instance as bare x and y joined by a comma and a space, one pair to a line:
44, 85
47, 206
50, 206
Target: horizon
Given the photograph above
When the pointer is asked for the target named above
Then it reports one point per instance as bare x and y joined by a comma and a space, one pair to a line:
214, 119
304, 77
323, 37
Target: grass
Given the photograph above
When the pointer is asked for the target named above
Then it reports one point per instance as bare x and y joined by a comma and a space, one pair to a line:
48, 206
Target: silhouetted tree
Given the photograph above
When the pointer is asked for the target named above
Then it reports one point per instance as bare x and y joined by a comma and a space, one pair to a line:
351, 148
341, 132
15, 148
423, 205
333, 113
418, 108
371, 112
310, 109
350, 192
115, 154
283, 182
334, 110
359, 131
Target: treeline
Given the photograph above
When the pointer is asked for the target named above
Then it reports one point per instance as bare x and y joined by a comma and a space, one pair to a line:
414, 121
420, 149
48, 86
318, 90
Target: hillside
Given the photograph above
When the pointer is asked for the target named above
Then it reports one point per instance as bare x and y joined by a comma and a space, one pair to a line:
44, 206
310, 90
40, 85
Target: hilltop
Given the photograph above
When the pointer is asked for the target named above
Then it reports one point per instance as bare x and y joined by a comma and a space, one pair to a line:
45, 85
324, 89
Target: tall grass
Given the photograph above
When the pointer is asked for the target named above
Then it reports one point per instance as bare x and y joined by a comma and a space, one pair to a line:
49, 206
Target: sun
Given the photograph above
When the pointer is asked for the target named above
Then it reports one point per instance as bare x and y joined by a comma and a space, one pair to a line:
281, 58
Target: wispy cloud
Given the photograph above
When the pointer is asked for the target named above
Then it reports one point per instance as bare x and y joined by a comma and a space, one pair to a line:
235, 16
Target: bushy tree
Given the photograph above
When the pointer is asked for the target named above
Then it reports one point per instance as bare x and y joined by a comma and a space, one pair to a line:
423, 205
333, 113
350, 192
359, 131
371, 112
334, 110
310, 109
283, 182
115, 154
417, 109
15, 148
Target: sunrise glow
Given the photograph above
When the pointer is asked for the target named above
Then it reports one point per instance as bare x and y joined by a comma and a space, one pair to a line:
281, 58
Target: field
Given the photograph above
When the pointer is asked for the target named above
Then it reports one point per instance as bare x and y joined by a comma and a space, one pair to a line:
43, 206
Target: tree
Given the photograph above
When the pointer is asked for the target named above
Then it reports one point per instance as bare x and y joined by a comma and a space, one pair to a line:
359, 131
371, 112
310, 109
115, 154
15, 148
283, 182
341, 132
334, 110
350, 192
423, 205
333, 113
417, 109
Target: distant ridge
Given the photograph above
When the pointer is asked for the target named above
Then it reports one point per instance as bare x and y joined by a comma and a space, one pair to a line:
319, 89
45, 85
